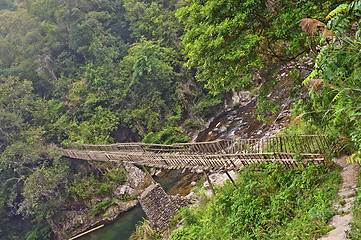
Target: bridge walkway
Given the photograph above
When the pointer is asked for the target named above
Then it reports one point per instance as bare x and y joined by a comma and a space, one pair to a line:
214, 155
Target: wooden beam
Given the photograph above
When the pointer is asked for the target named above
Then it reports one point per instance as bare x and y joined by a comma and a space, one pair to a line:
209, 182
230, 178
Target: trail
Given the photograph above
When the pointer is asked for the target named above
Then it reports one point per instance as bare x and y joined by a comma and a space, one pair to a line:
344, 200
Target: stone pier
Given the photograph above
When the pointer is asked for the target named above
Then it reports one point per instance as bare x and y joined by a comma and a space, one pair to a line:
159, 206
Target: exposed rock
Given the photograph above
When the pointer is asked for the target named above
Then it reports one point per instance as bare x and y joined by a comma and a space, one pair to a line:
282, 115
347, 191
80, 221
121, 190
223, 129
160, 207
219, 178
152, 171
159, 173
135, 176
242, 98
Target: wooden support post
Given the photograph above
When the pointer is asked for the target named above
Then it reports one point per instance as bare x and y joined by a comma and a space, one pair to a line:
230, 178
209, 182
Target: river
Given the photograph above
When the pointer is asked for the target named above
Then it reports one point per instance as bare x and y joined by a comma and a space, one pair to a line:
173, 182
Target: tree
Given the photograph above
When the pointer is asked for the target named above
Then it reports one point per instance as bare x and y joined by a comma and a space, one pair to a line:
229, 41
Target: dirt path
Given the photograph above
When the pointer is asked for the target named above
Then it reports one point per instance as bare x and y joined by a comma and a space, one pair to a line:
343, 201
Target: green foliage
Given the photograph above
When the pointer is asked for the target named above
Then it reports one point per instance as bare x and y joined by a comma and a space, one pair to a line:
338, 65
117, 175
168, 135
101, 207
229, 40
83, 70
144, 231
39, 233
83, 188
271, 202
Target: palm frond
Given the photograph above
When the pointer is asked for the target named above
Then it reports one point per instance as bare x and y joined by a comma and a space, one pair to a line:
315, 83
309, 25
340, 8
298, 119
354, 158
327, 33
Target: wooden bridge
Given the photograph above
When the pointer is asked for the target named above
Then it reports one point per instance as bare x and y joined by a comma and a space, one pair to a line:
215, 155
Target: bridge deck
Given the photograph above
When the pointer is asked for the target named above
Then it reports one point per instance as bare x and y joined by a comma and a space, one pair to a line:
220, 154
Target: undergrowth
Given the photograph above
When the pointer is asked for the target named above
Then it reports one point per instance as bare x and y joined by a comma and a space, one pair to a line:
271, 202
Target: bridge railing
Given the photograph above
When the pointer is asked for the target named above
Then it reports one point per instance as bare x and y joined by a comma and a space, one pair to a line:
229, 154
287, 144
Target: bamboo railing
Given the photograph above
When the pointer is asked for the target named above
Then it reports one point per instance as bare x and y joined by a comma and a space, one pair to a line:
216, 155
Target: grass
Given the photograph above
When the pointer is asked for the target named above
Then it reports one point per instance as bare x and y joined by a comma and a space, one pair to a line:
271, 202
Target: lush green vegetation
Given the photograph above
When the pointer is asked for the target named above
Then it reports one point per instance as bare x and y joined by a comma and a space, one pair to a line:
271, 202
107, 71
336, 105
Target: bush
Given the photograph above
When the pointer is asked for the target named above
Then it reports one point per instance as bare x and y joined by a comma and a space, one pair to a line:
271, 202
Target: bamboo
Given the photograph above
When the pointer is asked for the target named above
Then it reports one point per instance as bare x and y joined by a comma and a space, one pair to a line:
82, 234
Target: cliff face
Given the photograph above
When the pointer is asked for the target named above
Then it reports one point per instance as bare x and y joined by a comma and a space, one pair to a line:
81, 216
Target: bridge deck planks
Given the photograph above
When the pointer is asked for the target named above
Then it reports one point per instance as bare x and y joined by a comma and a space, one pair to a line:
220, 154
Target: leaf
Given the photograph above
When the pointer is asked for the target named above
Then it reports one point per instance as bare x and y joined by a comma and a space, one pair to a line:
298, 119
354, 158
309, 25
339, 9
315, 83
312, 75
327, 33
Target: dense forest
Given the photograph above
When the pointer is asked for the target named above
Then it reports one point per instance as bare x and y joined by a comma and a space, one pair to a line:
154, 71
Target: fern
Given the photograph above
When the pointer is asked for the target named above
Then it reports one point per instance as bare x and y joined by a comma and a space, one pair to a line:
311, 76
340, 9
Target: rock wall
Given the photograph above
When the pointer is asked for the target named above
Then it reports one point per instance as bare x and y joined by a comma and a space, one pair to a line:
159, 206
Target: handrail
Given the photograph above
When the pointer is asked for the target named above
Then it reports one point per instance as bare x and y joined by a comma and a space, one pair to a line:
230, 154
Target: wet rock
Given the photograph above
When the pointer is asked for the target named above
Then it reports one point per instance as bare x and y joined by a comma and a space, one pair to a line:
241, 98
223, 129
199, 171
282, 115
216, 130
238, 119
